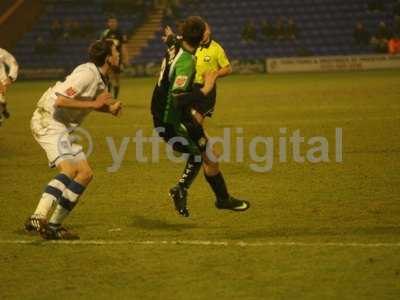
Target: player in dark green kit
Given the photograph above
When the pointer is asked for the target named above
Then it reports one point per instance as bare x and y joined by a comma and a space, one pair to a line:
173, 117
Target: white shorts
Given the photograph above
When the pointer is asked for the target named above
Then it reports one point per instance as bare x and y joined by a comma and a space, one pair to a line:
54, 137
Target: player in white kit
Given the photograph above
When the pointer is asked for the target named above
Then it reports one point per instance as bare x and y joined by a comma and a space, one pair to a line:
60, 109
6, 79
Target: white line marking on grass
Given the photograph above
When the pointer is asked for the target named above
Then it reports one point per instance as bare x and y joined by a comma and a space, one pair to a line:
203, 243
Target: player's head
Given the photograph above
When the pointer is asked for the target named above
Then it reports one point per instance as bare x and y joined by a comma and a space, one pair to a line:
193, 30
112, 22
104, 52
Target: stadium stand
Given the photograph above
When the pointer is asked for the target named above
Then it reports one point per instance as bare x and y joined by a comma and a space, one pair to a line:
325, 26
40, 49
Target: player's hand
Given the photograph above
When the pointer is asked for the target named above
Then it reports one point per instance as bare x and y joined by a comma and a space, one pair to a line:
7, 82
115, 108
197, 116
101, 100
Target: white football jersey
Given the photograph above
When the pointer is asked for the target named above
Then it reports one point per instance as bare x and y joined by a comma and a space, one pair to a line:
84, 83
7, 59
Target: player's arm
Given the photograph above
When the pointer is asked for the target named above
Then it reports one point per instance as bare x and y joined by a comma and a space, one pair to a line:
12, 64
70, 91
185, 98
98, 103
225, 71
223, 63
103, 34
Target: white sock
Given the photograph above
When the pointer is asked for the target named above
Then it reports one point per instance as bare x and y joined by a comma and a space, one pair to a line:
44, 207
67, 202
59, 214
52, 192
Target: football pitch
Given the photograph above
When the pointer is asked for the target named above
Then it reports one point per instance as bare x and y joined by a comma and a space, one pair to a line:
327, 230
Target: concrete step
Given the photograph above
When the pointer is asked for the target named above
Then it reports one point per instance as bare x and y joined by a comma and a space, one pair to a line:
147, 31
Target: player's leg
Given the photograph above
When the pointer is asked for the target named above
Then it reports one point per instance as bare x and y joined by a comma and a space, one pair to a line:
212, 172
54, 140
116, 85
113, 84
51, 195
68, 199
3, 108
193, 133
215, 179
179, 192
4, 114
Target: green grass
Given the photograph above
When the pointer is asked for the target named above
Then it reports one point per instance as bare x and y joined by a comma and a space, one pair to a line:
356, 201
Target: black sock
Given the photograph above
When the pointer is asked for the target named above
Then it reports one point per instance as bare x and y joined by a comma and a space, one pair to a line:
116, 91
218, 186
190, 172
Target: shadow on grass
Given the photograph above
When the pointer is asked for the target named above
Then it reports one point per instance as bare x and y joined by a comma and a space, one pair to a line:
23, 232
157, 224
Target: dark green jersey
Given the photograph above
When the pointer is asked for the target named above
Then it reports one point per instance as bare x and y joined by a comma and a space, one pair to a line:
176, 78
181, 76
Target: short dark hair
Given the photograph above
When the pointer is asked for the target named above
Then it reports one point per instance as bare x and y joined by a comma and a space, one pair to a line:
99, 50
193, 30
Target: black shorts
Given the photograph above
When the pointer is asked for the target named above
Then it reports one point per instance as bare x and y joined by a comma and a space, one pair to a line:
206, 106
191, 131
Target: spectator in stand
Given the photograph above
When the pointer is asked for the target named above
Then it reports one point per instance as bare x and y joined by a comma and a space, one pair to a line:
292, 31
381, 38
56, 30
361, 35
267, 30
280, 29
249, 33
